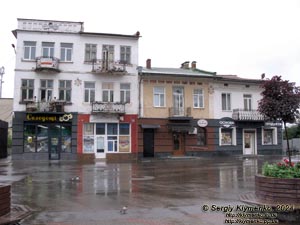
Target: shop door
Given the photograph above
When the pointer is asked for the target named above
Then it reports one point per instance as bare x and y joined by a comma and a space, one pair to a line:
148, 143
100, 147
54, 142
249, 143
178, 146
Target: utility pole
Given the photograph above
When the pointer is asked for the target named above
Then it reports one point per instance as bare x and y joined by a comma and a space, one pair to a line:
2, 71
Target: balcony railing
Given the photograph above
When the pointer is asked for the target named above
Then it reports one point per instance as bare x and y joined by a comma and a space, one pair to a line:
108, 67
184, 112
45, 106
108, 107
247, 115
47, 64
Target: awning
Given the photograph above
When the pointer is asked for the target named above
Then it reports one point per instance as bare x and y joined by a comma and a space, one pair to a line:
150, 126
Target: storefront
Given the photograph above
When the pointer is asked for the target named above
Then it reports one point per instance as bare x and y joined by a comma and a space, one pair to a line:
44, 136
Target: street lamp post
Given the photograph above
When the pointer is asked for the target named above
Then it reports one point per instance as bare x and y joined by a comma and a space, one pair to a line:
2, 71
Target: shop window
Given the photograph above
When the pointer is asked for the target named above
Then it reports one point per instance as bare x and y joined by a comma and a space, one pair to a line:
112, 128
66, 133
42, 138
88, 138
88, 129
112, 143
100, 128
228, 136
124, 129
29, 138
201, 136
269, 136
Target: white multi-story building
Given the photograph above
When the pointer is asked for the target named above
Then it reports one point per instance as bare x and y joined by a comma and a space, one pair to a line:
76, 92
240, 128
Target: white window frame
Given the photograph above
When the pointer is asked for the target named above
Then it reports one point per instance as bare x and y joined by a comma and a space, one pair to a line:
49, 48
247, 102
125, 54
110, 50
48, 90
108, 88
66, 48
90, 91
27, 88
233, 136
199, 97
159, 94
65, 89
274, 135
30, 47
125, 92
227, 106
90, 52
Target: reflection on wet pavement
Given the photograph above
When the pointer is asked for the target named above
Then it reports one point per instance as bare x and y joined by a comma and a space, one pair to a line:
156, 192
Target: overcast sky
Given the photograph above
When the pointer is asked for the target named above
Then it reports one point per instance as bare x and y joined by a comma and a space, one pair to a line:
241, 37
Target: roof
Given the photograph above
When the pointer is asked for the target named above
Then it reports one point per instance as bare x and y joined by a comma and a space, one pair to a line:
177, 72
237, 79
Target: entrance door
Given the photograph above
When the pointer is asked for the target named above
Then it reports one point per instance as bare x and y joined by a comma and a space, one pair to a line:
249, 143
148, 143
178, 148
178, 101
100, 147
54, 142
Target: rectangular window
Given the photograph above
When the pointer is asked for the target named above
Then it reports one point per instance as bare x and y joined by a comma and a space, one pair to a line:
29, 50
124, 129
65, 90
66, 50
108, 53
27, 88
125, 56
228, 136
90, 52
46, 90
198, 98
247, 102
201, 136
89, 91
159, 96
107, 92
112, 143
66, 137
270, 136
88, 138
29, 138
226, 101
125, 93
100, 128
48, 49
112, 128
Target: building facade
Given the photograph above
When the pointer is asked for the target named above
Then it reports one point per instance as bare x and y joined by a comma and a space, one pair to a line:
187, 111
76, 92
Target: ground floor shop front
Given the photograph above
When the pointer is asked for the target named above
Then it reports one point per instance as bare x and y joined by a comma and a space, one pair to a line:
73, 136
205, 137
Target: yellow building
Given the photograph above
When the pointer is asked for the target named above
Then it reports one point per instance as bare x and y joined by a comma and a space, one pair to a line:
173, 110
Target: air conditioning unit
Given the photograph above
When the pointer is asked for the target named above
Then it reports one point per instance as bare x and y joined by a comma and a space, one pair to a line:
194, 131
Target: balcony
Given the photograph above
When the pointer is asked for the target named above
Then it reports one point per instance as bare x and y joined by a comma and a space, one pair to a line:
247, 115
180, 112
44, 106
108, 107
108, 67
47, 64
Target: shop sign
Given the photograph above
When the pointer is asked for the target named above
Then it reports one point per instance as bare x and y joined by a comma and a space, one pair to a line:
202, 123
49, 118
226, 123
273, 124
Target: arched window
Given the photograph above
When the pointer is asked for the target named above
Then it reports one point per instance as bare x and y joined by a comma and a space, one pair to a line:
201, 136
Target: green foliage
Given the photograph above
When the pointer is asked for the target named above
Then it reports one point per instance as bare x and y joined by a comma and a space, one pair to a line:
293, 132
281, 170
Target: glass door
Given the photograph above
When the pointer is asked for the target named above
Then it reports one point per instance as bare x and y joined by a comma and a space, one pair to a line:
100, 147
54, 142
178, 102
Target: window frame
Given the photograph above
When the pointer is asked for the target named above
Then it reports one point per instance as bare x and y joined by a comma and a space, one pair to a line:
64, 50
31, 50
233, 136
65, 89
90, 52
247, 99
108, 88
274, 135
160, 95
90, 91
49, 47
227, 106
27, 88
199, 99
48, 89
125, 95
125, 54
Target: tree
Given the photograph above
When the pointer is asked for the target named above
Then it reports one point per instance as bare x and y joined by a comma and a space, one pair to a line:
281, 101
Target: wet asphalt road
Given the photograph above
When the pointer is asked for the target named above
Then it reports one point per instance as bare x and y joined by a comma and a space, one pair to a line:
156, 192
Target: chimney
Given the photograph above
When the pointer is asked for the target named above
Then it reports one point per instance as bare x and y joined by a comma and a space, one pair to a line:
148, 63
185, 65
194, 65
